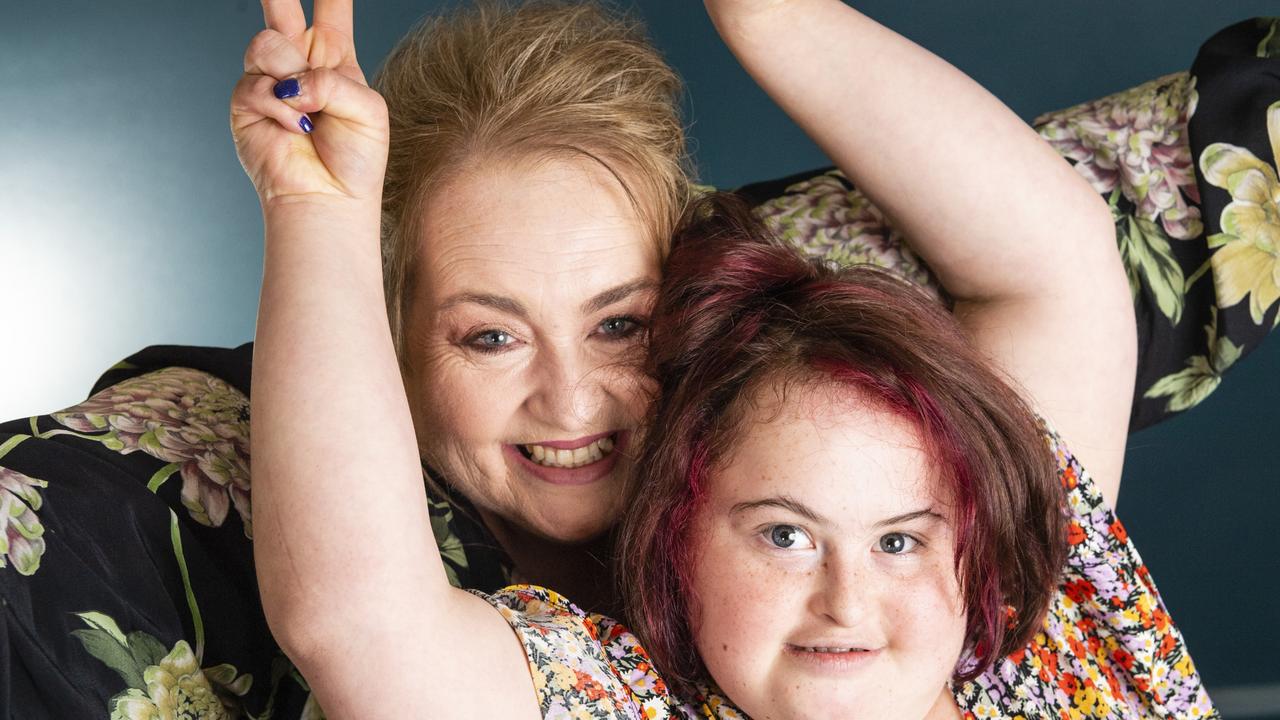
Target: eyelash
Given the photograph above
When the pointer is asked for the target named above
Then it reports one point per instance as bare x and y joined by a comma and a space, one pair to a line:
474, 340
766, 534
914, 542
636, 326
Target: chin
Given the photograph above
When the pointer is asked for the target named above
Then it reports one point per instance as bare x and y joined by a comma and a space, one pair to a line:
575, 521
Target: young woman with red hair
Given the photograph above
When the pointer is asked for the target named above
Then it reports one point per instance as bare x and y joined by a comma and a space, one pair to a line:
843, 509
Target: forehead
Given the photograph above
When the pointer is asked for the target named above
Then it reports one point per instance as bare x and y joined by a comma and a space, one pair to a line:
830, 447
562, 225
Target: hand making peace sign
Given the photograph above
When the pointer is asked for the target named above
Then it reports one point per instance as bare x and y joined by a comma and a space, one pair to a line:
306, 124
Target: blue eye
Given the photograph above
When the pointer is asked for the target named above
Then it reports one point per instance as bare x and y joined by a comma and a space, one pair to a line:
490, 340
897, 543
619, 327
788, 537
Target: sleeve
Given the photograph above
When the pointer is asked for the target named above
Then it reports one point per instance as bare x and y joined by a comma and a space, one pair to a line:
582, 666
1188, 164
126, 574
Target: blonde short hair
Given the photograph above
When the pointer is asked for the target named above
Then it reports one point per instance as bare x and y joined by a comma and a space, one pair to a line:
535, 80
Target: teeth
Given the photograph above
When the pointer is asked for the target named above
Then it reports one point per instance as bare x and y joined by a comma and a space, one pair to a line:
561, 457
831, 650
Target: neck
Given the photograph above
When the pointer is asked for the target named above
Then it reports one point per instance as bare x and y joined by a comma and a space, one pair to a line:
581, 572
945, 708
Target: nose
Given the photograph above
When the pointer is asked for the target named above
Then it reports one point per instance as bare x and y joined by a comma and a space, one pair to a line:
566, 391
843, 593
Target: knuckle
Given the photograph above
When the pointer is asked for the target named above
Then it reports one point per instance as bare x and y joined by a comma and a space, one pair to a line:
242, 94
377, 104
262, 45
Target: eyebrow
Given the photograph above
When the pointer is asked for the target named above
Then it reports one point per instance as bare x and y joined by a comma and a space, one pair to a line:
908, 517
511, 306
782, 503
502, 303
804, 511
616, 294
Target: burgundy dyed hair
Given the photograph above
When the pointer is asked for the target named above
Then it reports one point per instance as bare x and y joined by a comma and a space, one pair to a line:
736, 310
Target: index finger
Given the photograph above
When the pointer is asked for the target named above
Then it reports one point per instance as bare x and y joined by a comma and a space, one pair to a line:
335, 14
285, 17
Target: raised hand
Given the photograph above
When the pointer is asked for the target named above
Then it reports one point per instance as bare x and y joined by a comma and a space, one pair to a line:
307, 126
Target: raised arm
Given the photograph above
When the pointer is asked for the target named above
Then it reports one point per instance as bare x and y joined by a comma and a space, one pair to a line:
1022, 243
351, 581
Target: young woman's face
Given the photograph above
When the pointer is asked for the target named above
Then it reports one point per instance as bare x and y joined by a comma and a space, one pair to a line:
824, 574
532, 285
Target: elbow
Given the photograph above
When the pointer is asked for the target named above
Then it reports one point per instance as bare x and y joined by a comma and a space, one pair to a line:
300, 626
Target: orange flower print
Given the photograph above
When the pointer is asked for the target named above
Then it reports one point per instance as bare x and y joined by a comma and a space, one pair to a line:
1080, 591
1123, 658
1118, 530
589, 686
1069, 684
1075, 533
1069, 479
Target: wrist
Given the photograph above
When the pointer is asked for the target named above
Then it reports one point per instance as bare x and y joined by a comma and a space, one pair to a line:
743, 10
323, 221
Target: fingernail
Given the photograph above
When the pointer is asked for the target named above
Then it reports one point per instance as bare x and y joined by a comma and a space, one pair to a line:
305, 124
287, 88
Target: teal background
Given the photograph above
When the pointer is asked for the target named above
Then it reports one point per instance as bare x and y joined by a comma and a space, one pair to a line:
125, 220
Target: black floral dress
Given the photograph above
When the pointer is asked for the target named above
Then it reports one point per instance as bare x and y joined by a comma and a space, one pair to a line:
126, 565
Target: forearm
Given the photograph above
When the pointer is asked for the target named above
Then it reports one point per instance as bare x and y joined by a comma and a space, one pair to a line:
956, 171
1023, 243
337, 497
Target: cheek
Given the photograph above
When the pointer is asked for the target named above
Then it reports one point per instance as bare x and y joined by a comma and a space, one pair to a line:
461, 408
746, 607
928, 618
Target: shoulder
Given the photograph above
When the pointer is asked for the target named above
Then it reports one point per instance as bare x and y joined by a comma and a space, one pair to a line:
583, 665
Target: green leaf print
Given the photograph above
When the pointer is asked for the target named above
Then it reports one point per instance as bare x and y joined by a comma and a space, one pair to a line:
112, 649
98, 621
451, 550
161, 683
1187, 387
1148, 259
1269, 46
146, 649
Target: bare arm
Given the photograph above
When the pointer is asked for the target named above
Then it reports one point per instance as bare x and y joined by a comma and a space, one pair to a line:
351, 580
1022, 243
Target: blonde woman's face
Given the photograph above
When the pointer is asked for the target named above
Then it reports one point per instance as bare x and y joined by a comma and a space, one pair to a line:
523, 340
824, 568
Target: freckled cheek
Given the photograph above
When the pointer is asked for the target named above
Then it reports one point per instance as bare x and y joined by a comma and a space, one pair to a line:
927, 614
747, 608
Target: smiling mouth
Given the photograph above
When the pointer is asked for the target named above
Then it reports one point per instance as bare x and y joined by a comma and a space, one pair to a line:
569, 458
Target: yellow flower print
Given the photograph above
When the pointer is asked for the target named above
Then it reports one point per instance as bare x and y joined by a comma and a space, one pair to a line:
178, 688
1248, 258
162, 684
562, 678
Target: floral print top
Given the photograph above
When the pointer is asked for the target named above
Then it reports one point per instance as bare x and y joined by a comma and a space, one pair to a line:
1107, 649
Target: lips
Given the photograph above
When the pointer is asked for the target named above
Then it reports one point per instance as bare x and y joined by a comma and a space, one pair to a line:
587, 459
838, 658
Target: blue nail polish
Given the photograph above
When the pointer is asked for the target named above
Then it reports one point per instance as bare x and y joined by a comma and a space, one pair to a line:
305, 124
287, 88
